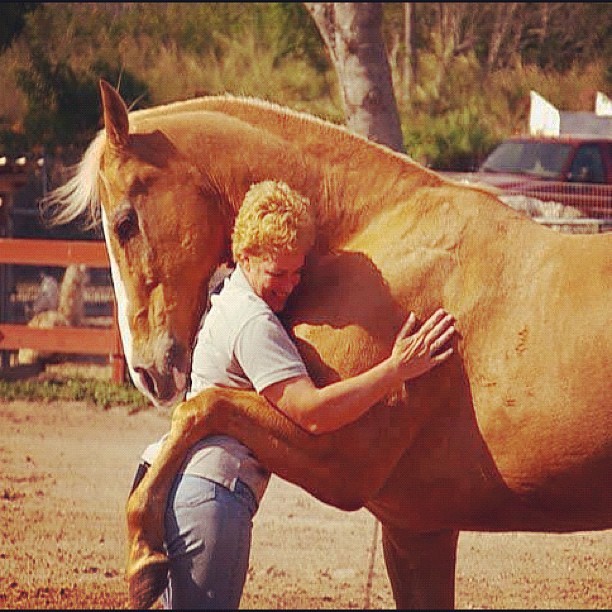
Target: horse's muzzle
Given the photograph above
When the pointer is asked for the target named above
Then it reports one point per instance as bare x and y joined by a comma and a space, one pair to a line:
164, 378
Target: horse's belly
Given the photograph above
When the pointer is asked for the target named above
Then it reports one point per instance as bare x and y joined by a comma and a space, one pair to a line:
542, 412
550, 444
481, 464
479, 499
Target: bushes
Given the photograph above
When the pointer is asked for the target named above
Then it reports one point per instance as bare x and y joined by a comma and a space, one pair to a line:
456, 140
452, 123
63, 105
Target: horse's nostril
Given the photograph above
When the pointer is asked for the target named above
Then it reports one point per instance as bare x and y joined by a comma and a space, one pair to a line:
147, 380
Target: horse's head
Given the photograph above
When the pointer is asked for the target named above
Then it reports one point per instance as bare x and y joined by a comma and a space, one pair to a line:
165, 235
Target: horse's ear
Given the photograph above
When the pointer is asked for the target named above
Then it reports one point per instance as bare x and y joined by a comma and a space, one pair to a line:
115, 113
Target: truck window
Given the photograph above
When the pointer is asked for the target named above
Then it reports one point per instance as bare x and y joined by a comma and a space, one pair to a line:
541, 159
587, 166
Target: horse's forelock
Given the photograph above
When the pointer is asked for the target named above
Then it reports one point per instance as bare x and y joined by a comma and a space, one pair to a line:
80, 195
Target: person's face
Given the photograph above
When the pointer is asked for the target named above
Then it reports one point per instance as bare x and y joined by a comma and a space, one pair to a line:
274, 277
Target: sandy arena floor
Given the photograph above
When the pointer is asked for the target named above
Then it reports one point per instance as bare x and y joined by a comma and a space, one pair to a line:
65, 472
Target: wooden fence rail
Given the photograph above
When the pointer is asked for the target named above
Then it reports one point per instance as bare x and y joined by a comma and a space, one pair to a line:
77, 340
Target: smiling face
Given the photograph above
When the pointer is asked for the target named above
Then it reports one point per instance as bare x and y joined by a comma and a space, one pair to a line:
274, 277
273, 232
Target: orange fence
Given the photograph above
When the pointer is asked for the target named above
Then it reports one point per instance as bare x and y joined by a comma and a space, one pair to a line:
79, 340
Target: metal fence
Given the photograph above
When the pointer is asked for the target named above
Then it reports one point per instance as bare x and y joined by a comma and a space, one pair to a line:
588, 200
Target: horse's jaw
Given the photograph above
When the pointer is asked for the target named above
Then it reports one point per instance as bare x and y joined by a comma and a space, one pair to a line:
160, 372
162, 375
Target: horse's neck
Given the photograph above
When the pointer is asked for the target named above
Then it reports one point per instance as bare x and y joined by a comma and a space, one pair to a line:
349, 179
353, 197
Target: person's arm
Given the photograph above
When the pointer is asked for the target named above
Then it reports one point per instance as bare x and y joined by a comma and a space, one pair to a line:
329, 408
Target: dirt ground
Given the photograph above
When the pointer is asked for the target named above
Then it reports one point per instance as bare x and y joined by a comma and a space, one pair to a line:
65, 471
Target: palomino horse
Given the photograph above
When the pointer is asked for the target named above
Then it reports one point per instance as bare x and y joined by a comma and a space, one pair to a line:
513, 433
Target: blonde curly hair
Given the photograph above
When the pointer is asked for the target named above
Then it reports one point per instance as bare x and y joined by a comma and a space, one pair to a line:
273, 219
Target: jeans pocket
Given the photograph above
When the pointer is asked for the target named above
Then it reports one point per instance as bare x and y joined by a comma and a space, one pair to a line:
190, 491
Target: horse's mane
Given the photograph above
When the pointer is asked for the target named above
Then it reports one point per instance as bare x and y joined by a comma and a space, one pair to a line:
208, 103
80, 194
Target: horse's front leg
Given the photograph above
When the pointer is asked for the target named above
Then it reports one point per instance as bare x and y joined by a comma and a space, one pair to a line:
421, 568
341, 468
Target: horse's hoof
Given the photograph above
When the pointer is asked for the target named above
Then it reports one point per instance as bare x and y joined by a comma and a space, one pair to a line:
147, 583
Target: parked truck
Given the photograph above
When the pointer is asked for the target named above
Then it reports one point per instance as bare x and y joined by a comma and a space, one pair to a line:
571, 170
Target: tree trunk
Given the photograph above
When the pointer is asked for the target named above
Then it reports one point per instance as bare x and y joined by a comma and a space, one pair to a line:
352, 33
410, 56
502, 22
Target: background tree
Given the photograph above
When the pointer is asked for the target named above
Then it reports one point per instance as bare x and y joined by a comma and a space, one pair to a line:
460, 74
64, 105
352, 33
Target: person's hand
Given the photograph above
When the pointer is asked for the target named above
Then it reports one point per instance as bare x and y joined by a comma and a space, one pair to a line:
415, 353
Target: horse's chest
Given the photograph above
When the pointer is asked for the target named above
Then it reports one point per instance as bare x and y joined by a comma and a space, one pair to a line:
344, 317
333, 353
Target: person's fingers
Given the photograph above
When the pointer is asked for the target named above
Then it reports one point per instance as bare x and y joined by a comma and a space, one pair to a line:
441, 340
434, 319
440, 357
438, 329
430, 338
421, 335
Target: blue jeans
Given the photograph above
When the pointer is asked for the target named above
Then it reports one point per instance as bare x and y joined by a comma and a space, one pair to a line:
208, 541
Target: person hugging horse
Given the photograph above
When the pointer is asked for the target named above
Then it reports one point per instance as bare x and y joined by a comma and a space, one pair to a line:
242, 344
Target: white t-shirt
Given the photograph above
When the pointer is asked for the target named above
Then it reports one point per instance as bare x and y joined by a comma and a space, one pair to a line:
242, 345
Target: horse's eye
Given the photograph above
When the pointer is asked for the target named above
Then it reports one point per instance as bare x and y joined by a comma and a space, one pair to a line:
126, 225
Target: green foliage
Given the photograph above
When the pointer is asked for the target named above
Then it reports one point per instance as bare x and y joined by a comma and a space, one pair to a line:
170, 51
446, 125
202, 28
52, 90
270, 50
455, 140
63, 105
576, 36
455, 117
101, 393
